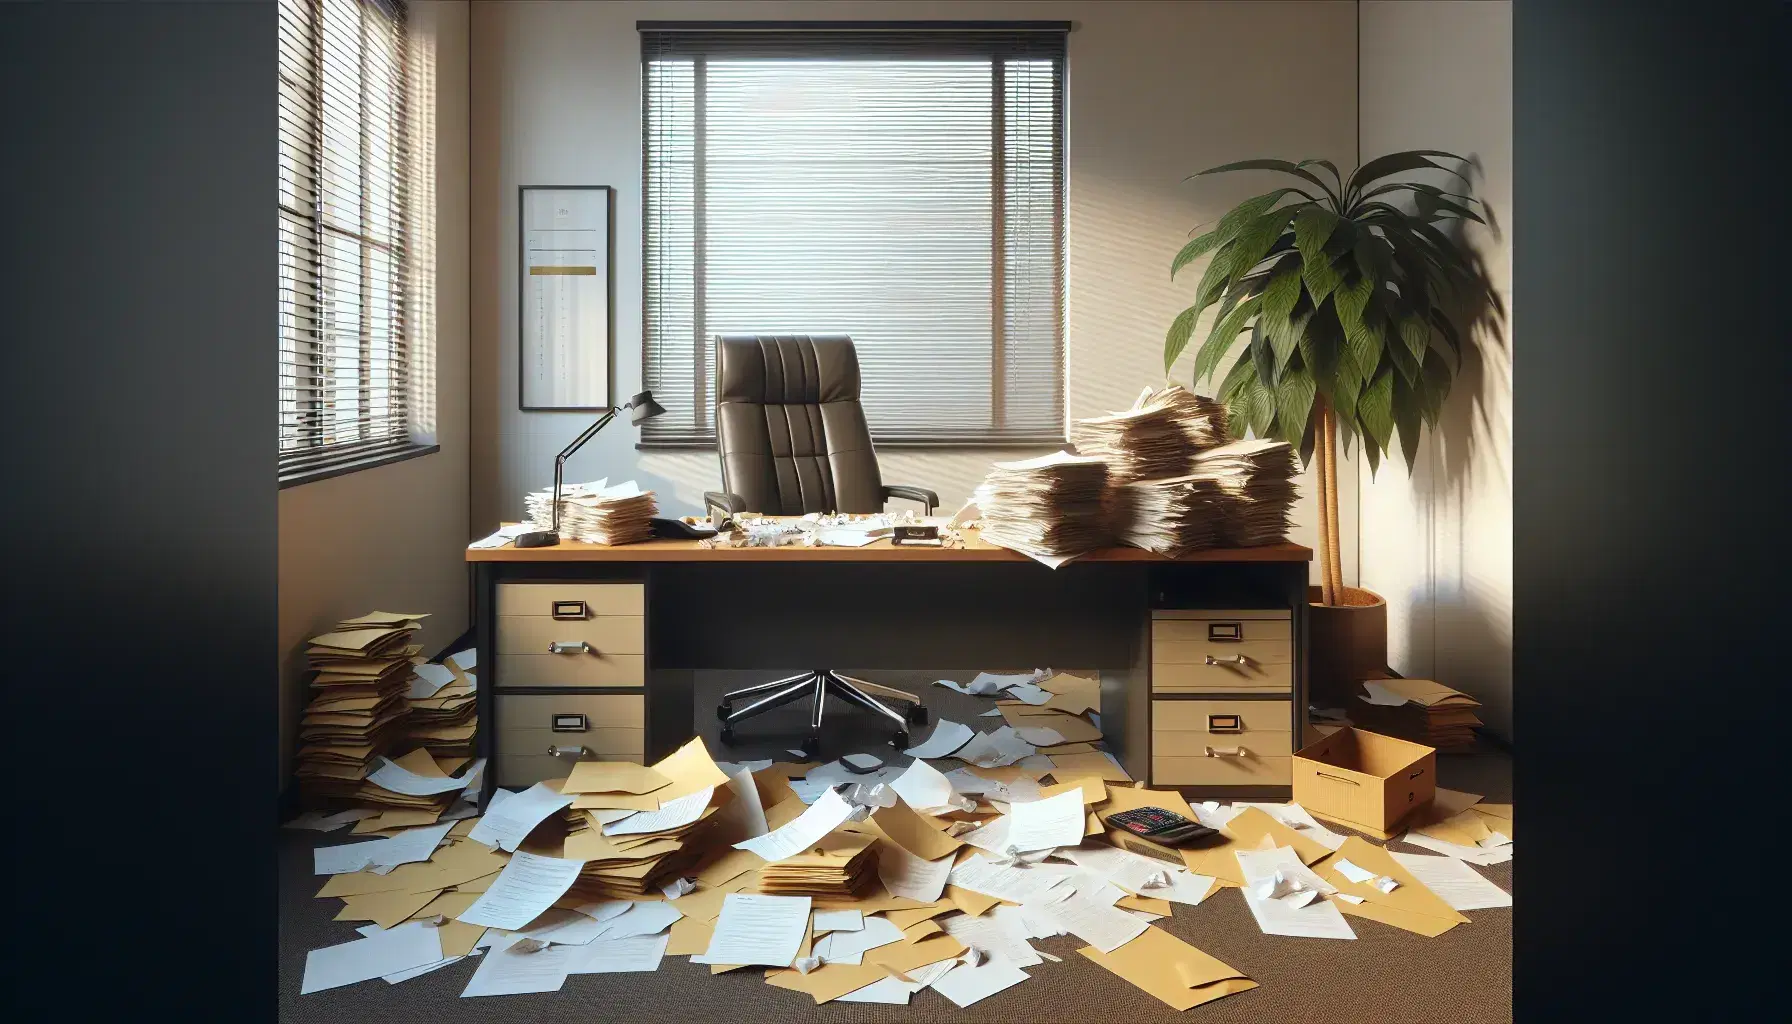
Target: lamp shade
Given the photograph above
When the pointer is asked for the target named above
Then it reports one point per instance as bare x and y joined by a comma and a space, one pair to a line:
642, 407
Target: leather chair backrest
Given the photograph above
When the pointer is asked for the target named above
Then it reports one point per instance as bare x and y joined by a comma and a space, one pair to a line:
789, 426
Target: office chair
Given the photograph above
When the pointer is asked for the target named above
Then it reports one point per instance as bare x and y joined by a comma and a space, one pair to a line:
793, 440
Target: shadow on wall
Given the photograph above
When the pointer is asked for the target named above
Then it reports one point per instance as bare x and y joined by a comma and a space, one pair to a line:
1462, 629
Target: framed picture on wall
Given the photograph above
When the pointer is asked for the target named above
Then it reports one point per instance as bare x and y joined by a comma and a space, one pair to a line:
566, 298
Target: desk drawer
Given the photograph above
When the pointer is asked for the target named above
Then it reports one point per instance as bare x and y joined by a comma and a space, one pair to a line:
604, 722
609, 634
597, 598
1222, 771
1225, 634
1207, 651
520, 770
1226, 677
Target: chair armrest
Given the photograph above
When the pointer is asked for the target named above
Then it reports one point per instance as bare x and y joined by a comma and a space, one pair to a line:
733, 504
920, 494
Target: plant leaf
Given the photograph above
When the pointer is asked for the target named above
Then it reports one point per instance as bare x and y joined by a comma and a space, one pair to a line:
1287, 333
1321, 277
1285, 166
1195, 250
1283, 289
1395, 163
1236, 378
1219, 340
1328, 165
1253, 243
1262, 356
1294, 403
1375, 410
1417, 335
1263, 407
1214, 278
1313, 227
1406, 421
1176, 339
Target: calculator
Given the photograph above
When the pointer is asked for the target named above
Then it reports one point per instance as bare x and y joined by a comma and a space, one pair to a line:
1160, 826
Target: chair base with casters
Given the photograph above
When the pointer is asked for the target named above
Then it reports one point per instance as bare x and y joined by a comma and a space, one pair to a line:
817, 685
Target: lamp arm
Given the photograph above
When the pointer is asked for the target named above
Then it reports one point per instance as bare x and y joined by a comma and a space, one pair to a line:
565, 453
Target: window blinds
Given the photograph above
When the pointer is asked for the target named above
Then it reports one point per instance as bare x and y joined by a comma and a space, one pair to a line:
345, 233
901, 186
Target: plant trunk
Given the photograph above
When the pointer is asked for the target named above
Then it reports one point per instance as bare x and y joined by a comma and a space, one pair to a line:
1326, 594
1334, 563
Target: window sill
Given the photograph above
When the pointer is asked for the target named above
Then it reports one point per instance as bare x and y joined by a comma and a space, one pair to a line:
887, 444
311, 474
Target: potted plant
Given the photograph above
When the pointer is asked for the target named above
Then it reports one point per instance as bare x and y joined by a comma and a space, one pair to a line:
1339, 292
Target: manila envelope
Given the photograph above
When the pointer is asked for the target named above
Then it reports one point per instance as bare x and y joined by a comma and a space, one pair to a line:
971, 902
386, 909
449, 905
907, 956
705, 904
691, 769
1094, 790
1149, 904
1171, 969
1072, 694
1498, 818
397, 819
1074, 728
1069, 748
1410, 906
458, 937
616, 802
690, 936
1465, 829
1251, 825
906, 919
1075, 766
479, 884
459, 863
827, 982
900, 824
614, 777
728, 866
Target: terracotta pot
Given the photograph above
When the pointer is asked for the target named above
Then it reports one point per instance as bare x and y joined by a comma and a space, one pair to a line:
1346, 642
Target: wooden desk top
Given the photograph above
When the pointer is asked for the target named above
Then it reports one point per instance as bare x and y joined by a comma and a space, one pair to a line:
973, 550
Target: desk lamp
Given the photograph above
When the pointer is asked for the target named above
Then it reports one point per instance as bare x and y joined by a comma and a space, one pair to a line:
641, 408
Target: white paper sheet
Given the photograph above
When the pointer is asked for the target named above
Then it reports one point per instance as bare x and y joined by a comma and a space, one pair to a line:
1134, 872
647, 917
382, 855
991, 713
507, 972
907, 875
1457, 884
1471, 854
922, 786
427, 679
1101, 925
605, 910
503, 536
1014, 884
850, 947
408, 946
842, 537
465, 660
894, 992
745, 814
1046, 824
1040, 736
567, 927
507, 823
827, 813
965, 985
619, 956
1004, 937
528, 885
992, 835
1318, 919
755, 929
947, 736
1008, 681
672, 814
1380, 695
396, 778
838, 921
1031, 694
393, 979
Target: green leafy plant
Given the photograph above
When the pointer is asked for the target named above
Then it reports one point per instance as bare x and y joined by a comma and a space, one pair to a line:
1339, 296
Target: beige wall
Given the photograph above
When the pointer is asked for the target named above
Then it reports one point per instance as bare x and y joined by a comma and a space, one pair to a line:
391, 538
1437, 543
1156, 91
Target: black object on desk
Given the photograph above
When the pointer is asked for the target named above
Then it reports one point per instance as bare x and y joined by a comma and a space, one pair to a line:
678, 529
641, 408
1160, 826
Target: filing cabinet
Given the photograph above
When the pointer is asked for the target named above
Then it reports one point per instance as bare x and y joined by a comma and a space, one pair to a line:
1222, 697
571, 671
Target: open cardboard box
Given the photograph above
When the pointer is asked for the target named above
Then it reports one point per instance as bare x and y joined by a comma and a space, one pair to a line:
1364, 779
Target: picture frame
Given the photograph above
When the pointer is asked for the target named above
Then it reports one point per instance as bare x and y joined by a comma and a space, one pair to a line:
566, 297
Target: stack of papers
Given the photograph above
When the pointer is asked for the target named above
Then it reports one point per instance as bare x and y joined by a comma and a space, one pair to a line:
1157, 438
1419, 710
1256, 481
638, 828
358, 705
843, 865
1169, 516
1050, 509
595, 513
443, 706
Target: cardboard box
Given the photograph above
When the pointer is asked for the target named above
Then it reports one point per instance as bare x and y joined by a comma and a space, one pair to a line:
1364, 778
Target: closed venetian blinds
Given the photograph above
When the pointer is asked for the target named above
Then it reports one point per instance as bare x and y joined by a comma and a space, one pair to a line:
901, 186
347, 324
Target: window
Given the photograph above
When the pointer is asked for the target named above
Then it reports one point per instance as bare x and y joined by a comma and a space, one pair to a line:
351, 300
902, 186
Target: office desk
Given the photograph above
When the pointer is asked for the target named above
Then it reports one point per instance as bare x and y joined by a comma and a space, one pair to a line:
882, 607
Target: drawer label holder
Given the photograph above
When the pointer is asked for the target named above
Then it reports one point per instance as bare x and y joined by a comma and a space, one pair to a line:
571, 723
570, 610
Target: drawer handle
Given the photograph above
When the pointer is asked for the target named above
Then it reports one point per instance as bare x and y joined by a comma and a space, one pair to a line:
571, 723
1225, 632
1337, 778
581, 647
558, 751
1236, 659
1227, 752
570, 610
1416, 774
1225, 723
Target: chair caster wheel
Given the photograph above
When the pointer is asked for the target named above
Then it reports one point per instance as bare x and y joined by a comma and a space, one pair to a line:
723, 711
900, 740
728, 735
917, 714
